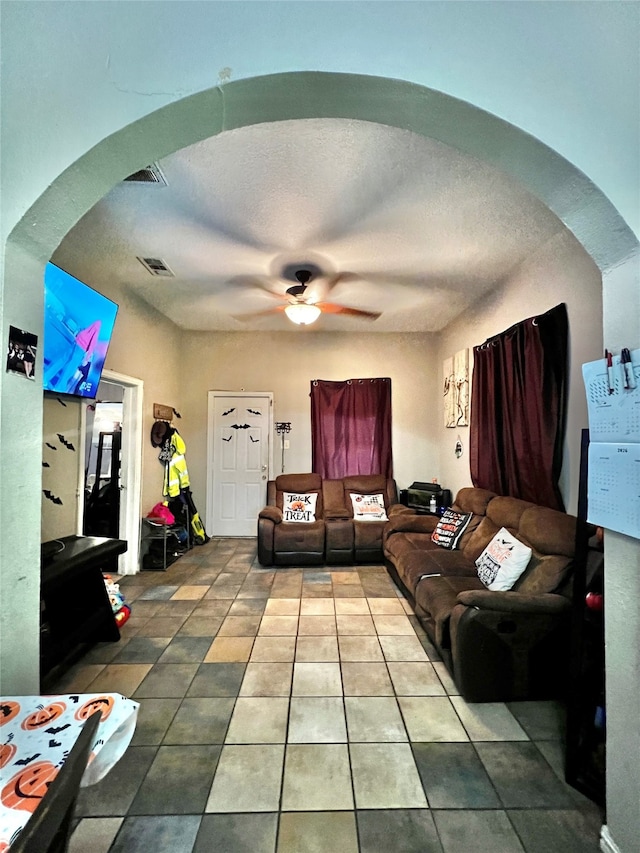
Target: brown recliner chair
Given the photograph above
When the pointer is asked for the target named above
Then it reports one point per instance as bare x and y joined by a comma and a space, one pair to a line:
282, 543
348, 541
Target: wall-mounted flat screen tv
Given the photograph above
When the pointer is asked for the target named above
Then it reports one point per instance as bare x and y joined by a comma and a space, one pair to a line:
78, 323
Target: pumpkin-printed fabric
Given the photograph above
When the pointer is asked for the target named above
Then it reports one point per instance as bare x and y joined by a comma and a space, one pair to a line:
36, 735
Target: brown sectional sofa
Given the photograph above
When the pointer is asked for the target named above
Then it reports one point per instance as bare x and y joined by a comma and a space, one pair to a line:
334, 538
498, 646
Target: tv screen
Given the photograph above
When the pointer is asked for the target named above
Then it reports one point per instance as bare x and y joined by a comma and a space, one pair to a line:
78, 323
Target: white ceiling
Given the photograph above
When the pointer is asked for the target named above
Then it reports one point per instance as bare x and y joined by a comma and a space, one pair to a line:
417, 230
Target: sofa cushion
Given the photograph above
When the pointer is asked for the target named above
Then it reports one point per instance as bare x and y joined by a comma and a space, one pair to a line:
503, 561
544, 574
299, 507
368, 507
473, 500
414, 565
450, 528
437, 596
301, 538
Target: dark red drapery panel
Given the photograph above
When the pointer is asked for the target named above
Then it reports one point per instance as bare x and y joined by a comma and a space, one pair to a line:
518, 403
351, 427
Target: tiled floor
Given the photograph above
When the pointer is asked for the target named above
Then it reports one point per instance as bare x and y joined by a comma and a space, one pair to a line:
304, 710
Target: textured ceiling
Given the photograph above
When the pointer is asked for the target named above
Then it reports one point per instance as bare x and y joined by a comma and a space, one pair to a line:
405, 225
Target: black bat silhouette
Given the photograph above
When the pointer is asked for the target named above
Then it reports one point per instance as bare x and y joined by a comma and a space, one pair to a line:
28, 759
74, 699
54, 730
254, 412
228, 439
62, 403
5, 710
53, 742
51, 446
64, 441
228, 412
254, 440
46, 465
240, 426
51, 497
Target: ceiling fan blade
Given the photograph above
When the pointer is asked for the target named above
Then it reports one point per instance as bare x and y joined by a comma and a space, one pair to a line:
330, 308
252, 315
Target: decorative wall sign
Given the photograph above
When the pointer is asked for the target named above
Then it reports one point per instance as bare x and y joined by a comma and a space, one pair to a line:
21, 353
456, 390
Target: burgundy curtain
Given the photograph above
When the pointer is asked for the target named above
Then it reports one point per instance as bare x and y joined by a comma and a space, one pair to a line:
518, 403
351, 427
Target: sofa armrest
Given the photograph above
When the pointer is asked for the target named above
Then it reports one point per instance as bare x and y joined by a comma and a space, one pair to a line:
514, 602
273, 513
398, 509
337, 513
405, 522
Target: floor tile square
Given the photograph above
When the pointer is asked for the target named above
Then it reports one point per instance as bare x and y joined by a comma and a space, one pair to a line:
237, 833
176, 833
247, 606
267, 679
317, 719
259, 720
316, 626
247, 779
114, 794
240, 626
431, 718
217, 607
217, 680
385, 777
453, 776
317, 607
200, 721
178, 781
350, 624
540, 720
542, 830
316, 778
345, 590
95, 834
317, 649
157, 593
352, 606
386, 607
185, 650
198, 625
415, 678
229, 650
365, 679
278, 626
393, 625
317, 832
273, 650
339, 577
316, 679
78, 678
161, 626
122, 678
190, 593
166, 679
399, 648
374, 719
360, 649
522, 777
282, 607
398, 830
443, 674
488, 720
154, 718
476, 830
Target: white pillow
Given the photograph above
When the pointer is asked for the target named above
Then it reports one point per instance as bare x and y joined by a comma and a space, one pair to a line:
299, 507
503, 561
368, 508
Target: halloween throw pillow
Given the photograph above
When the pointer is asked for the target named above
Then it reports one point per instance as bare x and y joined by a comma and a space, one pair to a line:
503, 561
450, 528
368, 508
299, 507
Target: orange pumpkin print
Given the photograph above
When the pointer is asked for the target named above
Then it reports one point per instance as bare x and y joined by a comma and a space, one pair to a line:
43, 716
7, 751
8, 711
104, 704
4, 846
297, 506
27, 787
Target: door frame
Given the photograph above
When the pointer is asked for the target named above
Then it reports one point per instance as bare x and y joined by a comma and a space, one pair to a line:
211, 399
130, 469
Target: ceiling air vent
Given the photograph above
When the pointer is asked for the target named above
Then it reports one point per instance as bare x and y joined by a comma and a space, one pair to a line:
156, 266
149, 175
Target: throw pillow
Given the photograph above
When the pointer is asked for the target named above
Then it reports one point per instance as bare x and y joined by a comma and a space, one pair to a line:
299, 507
503, 561
368, 508
450, 528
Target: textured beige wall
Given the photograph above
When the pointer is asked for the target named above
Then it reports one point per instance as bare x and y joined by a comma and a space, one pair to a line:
561, 272
286, 363
61, 467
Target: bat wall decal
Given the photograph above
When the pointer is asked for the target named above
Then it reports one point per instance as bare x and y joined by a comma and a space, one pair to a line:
64, 441
254, 440
46, 465
228, 439
51, 497
240, 426
51, 446
228, 412
254, 412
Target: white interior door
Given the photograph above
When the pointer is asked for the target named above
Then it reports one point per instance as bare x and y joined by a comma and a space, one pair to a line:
239, 460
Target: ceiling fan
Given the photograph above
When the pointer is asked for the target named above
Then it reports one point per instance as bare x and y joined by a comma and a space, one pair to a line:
303, 308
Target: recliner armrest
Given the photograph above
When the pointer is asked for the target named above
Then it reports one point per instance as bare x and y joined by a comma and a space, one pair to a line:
514, 602
404, 522
273, 513
398, 509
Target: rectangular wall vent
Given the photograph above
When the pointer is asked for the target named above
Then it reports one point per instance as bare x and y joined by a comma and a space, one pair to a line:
149, 175
156, 266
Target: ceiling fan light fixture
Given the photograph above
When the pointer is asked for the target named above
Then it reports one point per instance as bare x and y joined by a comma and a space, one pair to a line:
302, 313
